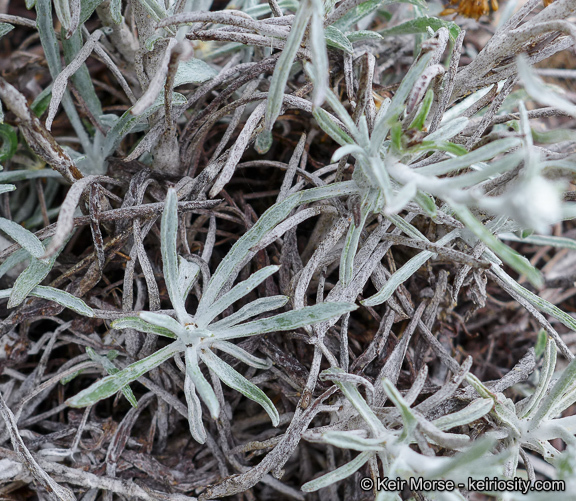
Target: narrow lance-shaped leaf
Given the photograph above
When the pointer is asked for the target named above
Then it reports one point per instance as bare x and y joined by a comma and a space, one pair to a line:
406, 227
551, 240
564, 383
34, 274
111, 369
193, 71
164, 321
339, 473
382, 127
349, 249
509, 256
280, 76
503, 408
495, 168
567, 400
210, 312
42, 101
420, 118
404, 196
273, 216
351, 440
369, 203
478, 451
169, 235
320, 68
110, 385
426, 203
437, 436
353, 395
335, 38
12, 260
194, 411
360, 137
82, 79
472, 412
22, 236
60, 82
201, 384
257, 307
52, 52
408, 416
373, 168
187, 273
62, 8
241, 354
48, 36
449, 129
405, 272
63, 298
363, 35
236, 381
9, 142
483, 153
422, 25
142, 326
331, 128
154, 8
347, 149
36, 271
20, 175
548, 366
541, 344
287, 321
116, 10
5, 28
358, 13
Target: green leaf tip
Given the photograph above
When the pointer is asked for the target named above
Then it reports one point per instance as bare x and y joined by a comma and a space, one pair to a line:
263, 142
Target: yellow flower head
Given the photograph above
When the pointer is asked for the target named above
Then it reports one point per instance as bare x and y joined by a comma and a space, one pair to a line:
470, 8
475, 8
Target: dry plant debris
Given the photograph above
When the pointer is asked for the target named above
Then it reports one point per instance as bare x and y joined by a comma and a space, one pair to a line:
284, 249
